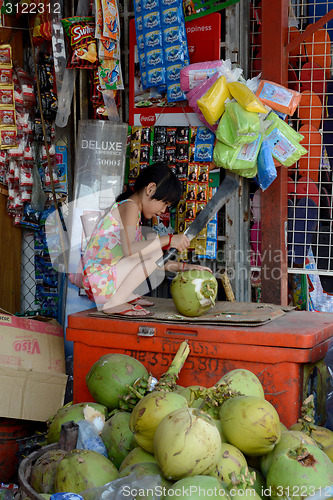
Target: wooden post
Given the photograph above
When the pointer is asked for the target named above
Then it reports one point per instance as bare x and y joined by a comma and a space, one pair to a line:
274, 274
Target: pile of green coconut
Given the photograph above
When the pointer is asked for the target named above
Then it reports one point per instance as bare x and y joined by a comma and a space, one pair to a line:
222, 441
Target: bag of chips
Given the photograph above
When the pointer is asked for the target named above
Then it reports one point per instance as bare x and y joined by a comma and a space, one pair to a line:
81, 42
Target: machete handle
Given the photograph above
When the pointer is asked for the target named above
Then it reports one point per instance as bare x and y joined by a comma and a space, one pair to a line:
166, 257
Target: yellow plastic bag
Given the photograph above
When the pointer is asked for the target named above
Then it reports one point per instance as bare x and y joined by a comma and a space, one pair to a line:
211, 103
246, 97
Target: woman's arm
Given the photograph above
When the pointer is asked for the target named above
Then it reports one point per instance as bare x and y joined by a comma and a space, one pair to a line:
178, 267
128, 216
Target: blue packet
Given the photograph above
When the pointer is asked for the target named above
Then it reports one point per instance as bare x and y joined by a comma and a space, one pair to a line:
137, 7
174, 54
203, 152
266, 167
204, 135
149, 5
173, 73
138, 24
171, 16
175, 93
151, 21
154, 58
156, 76
172, 35
153, 39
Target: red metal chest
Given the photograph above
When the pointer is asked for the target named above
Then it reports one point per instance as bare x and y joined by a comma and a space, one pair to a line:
283, 353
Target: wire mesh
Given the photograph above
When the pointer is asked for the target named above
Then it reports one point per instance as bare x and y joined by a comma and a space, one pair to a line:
309, 227
310, 235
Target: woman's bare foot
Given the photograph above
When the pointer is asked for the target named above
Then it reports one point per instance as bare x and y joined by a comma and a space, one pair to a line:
126, 309
141, 301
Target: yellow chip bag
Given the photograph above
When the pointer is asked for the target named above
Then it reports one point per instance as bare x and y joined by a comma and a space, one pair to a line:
246, 97
211, 103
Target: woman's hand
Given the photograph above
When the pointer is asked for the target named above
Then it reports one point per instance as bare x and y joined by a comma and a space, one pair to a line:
179, 241
189, 267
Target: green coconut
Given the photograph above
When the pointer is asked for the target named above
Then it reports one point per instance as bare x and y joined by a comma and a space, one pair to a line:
70, 413
83, 469
260, 483
146, 469
118, 437
322, 436
243, 381
289, 439
298, 472
187, 393
108, 377
231, 460
136, 456
43, 472
187, 443
194, 292
149, 412
251, 424
197, 488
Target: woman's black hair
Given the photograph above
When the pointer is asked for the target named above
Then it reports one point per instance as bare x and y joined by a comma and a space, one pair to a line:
168, 186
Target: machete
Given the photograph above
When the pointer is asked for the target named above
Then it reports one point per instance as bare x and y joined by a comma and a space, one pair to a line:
222, 195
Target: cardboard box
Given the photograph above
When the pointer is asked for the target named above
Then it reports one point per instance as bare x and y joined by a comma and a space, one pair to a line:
32, 368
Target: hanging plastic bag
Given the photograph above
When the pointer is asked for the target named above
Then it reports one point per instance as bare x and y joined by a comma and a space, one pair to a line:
246, 97
194, 74
196, 93
224, 155
212, 102
245, 122
266, 167
246, 160
237, 126
278, 97
284, 143
224, 133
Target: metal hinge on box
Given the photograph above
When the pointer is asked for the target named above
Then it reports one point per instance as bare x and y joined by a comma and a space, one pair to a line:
146, 331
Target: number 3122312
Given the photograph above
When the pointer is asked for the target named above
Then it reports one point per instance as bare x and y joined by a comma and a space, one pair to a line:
32, 8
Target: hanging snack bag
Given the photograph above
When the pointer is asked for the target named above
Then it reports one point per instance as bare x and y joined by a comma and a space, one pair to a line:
246, 97
110, 19
6, 56
266, 167
212, 102
283, 141
81, 42
278, 97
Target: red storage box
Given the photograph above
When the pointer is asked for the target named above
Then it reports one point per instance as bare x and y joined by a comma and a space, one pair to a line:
277, 352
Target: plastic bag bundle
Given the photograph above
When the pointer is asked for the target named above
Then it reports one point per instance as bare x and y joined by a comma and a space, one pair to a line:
266, 167
278, 97
237, 126
284, 141
246, 97
212, 102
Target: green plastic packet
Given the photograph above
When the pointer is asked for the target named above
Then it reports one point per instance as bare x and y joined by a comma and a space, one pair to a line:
246, 160
245, 122
226, 132
224, 155
284, 143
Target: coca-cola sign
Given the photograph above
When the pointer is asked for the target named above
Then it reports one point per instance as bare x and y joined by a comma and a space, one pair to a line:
148, 120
